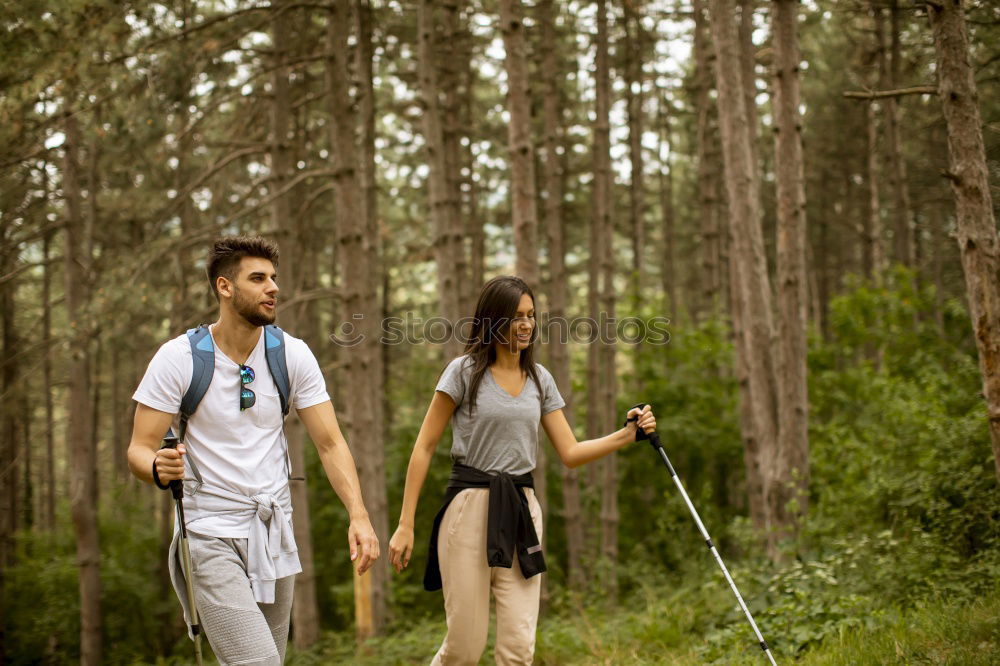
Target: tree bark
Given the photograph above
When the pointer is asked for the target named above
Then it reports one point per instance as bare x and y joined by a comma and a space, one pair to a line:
83, 450
474, 221
524, 209
667, 213
446, 229
524, 204
748, 432
634, 98
789, 493
558, 290
874, 249
977, 231
755, 342
450, 56
888, 78
359, 280
708, 159
748, 65
605, 237
305, 614
27, 451
9, 453
50, 441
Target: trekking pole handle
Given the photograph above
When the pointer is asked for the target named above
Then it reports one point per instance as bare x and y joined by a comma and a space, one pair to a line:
653, 438
170, 441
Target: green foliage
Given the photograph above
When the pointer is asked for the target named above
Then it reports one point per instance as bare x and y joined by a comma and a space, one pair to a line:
41, 602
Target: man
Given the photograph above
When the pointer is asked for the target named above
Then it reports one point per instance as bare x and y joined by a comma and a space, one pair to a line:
234, 459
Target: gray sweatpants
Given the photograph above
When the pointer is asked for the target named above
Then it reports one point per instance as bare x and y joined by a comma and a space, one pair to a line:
240, 630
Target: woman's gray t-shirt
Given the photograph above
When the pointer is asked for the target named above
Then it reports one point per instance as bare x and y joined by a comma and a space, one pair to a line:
501, 434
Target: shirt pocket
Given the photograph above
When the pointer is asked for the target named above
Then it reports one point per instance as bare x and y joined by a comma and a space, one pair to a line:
267, 410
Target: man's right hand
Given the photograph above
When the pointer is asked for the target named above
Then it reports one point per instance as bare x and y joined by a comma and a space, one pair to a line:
170, 464
401, 547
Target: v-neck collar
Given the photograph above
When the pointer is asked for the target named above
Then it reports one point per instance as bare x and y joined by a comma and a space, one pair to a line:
218, 349
505, 391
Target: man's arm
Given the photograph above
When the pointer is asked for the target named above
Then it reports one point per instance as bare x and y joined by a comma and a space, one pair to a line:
148, 429
321, 422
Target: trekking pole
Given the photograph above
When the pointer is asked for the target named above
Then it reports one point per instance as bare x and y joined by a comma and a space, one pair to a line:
177, 490
654, 440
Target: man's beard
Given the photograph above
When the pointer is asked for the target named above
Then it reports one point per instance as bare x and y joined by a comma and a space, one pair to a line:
250, 310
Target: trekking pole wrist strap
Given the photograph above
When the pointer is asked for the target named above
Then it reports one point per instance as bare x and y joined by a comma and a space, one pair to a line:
156, 478
640, 434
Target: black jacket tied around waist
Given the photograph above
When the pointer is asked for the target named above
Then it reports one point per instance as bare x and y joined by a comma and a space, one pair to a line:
509, 524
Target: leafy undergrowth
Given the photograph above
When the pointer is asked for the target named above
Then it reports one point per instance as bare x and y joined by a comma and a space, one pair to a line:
671, 630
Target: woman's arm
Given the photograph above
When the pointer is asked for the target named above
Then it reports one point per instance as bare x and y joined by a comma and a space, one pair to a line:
435, 421
574, 454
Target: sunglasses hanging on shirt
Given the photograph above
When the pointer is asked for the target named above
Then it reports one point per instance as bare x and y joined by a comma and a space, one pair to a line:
247, 397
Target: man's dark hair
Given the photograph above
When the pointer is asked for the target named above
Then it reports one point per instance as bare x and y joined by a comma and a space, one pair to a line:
224, 259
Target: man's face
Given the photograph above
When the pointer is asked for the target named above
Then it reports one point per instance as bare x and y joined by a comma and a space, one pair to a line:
255, 291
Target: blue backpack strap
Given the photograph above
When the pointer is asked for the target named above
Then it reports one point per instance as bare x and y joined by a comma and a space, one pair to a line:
203, 367
274, 349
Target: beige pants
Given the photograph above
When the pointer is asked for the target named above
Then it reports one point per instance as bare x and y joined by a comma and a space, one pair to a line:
468, 581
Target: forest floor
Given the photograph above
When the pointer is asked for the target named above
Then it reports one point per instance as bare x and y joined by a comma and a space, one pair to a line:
939, 633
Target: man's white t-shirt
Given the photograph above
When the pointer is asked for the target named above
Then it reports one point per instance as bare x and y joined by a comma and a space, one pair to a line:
240, 451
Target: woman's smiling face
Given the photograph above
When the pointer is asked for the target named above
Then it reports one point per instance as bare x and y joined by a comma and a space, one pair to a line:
522, 328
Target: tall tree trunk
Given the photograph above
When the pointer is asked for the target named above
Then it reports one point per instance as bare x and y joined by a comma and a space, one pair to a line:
50, 440
710, 220
180, 311
446, 229
474, 221
450, 56
874, 250
83, 459
359, 280
364, 26
305, 613
634, 81
818, 273
748, 432
367, 169
748, 65
27, 453
977, 231
665, 174
789, 493
524, 204
524, 209
97, 362
8, 439
558, 290
888, 78
755, 344
9, 453
604, 223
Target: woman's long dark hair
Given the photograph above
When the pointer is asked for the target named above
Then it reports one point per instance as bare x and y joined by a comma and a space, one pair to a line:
495, 312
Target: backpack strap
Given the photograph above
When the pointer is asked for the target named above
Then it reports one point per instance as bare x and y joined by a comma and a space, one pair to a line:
203, 367
274, 349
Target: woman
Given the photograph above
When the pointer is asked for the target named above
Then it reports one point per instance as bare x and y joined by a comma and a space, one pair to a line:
486, 538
